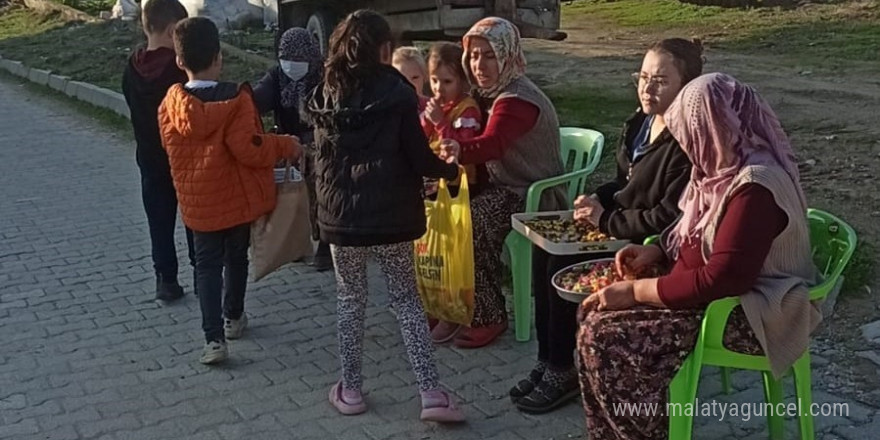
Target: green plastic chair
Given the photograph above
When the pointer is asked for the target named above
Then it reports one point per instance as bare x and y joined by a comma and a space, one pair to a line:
833, 243
581, 152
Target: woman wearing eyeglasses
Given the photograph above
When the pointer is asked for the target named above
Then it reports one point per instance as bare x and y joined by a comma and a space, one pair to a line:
652, 171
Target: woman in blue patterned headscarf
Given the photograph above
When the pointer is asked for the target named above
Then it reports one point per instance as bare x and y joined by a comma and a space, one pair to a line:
283, 88
299, 58
282, 91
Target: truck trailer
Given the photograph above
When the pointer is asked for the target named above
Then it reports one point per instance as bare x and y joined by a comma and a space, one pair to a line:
424, 19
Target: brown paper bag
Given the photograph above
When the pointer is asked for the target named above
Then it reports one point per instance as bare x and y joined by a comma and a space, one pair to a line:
283, 235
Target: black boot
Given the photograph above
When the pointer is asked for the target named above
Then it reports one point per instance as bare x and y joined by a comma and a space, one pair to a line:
546, 397
167, 289
323, 260
525, 386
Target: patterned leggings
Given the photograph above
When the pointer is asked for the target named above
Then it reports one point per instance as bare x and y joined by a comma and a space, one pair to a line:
490, 214
396, 262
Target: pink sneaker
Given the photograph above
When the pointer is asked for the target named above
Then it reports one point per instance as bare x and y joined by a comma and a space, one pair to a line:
437, 406
350, 406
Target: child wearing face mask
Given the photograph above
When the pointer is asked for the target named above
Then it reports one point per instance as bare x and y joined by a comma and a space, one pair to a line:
408, 60
282, 91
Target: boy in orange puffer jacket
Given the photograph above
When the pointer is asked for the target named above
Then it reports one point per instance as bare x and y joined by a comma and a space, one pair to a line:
221, 164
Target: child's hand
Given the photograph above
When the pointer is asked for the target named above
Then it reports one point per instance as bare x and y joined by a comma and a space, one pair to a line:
297, 149
434, 111
450, 149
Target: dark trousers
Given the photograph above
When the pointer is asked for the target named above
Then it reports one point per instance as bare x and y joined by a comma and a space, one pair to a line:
555, 318
221, 293
160, 204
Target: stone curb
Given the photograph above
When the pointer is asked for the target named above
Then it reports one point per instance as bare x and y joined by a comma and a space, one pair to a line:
90, 93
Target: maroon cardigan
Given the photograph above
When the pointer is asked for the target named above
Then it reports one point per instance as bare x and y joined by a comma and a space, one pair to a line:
751, 222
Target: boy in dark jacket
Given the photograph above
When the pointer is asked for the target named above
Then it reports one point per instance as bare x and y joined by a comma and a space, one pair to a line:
148, 75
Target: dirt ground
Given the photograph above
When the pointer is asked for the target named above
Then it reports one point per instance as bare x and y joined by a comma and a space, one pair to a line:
831, 120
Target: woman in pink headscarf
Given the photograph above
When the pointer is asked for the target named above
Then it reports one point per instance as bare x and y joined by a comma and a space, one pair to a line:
743, 232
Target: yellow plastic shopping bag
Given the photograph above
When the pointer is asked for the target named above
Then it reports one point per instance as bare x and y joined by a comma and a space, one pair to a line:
445, 257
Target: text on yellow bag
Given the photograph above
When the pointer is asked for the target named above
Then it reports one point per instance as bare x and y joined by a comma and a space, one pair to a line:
444, 257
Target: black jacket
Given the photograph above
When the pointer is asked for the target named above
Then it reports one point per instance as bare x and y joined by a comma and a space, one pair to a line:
267, 96
643, 200
146, 80
371, 155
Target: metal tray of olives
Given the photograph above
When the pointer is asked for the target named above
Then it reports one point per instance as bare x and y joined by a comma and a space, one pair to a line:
554, 231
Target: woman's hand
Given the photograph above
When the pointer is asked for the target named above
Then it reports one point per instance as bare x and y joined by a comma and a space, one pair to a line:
434, 111
633, 258
450, 150
580, 201
618, 296
588, 209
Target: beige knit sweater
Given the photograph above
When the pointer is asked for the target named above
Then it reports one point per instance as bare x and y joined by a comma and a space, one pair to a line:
535, 155
778, 306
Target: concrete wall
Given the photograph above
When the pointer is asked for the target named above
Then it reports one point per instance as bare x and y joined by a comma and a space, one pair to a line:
97, 96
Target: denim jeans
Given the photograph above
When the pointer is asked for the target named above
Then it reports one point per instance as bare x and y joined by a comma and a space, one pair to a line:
221, 293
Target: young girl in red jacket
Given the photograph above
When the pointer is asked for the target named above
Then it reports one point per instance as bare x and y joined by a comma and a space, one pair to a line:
451, 113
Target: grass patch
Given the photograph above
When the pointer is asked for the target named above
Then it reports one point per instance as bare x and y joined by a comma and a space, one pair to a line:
816, 43
861, 269
811, 33
20, 22
91, 7
652, 14
92, 52
603, 109
254, 40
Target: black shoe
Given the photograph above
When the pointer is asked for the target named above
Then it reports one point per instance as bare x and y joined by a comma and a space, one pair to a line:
545, 398
525, 386
323, 260
168, 290
322, 263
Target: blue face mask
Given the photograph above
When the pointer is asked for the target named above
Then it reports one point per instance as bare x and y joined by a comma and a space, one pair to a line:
295, 70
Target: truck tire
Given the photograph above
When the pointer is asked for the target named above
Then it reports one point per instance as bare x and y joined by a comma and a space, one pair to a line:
321, 24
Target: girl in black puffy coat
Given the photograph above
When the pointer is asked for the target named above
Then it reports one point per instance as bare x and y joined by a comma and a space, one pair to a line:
371, 157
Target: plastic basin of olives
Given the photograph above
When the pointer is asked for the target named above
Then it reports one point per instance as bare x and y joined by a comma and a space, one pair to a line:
582, 267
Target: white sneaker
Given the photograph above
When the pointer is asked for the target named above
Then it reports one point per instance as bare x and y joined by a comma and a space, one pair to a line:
233, 328
214, 353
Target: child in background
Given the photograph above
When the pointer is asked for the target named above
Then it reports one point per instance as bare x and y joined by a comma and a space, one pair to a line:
371, 157
148, 75
283, 91
408, 60
451, 113
222, 166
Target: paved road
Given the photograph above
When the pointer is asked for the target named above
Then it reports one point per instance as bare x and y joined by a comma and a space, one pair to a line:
86, 354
